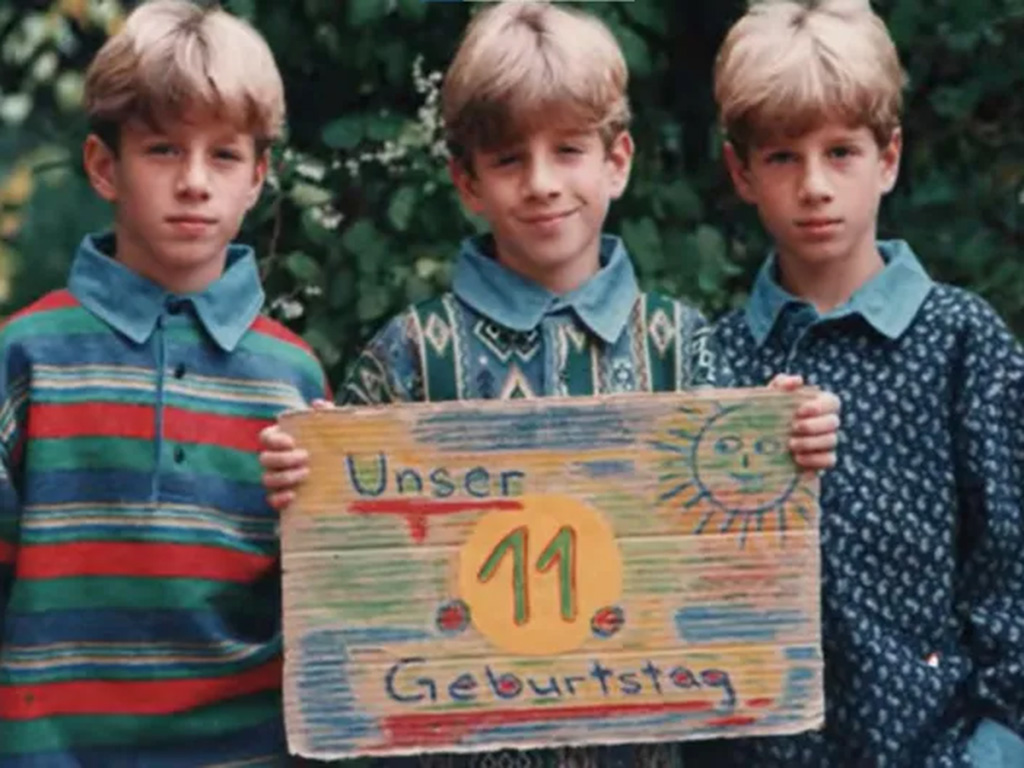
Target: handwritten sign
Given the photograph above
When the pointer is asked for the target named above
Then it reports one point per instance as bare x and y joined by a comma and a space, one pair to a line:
474, 575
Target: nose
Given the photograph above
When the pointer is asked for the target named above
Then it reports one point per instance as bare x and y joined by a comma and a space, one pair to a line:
194, 178
815, 186
542, 179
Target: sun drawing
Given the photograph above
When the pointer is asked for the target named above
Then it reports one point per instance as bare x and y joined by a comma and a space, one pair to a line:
729, 468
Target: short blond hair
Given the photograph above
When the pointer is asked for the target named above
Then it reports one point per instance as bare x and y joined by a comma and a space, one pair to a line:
172, 57
519, 64
788, 66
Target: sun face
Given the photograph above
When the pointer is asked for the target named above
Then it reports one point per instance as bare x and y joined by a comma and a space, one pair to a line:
731, 471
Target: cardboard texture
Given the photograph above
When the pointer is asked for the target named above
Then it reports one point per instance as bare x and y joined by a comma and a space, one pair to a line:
473, 575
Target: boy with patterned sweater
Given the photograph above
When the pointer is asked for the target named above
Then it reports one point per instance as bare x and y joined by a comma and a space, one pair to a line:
139, 567
922, 528
536, 113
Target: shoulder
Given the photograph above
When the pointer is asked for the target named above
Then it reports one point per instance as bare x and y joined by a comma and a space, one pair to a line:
680, 312
41, 315
958, 313
288, 351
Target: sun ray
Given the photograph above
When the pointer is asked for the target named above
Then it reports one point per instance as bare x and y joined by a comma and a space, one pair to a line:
673, 492
705, 520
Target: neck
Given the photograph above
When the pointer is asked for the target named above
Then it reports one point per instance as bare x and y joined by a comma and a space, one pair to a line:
558, 278
180, 279
829, 285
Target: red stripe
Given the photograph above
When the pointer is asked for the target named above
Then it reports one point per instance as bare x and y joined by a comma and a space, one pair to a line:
55, 561
7, 551
236, 432
267, 327
724, 722
61, 299
95, 419
110, 697
438, 728
98, 419
758, 703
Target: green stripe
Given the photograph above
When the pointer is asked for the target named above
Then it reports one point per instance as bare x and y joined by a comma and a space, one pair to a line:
253, 541
71, 321
61, 733
116, 453
252, 409
439, 369
85, 593
579, 367
296, 358
663, 366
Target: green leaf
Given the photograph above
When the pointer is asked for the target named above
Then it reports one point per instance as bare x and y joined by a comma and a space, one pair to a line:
372, 304
384, 126
683, 201
402, 206
304, 268
319, 339
644, 243
306, 195
344, 133
363, 12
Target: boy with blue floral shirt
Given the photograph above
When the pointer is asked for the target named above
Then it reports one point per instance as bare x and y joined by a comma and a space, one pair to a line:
922, 526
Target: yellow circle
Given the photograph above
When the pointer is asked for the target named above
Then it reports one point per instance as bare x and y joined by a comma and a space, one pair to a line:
533, 578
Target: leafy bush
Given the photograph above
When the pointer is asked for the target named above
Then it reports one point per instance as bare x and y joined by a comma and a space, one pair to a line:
359, 218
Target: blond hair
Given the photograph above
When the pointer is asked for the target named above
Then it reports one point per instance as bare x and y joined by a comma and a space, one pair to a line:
788, 66
522, 63
172, 57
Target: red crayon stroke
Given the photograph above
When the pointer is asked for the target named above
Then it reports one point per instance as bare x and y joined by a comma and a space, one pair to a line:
416, 510
439, 728
760, 702
721, 722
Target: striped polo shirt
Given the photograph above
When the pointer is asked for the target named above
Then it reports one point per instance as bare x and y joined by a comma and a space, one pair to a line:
139, 559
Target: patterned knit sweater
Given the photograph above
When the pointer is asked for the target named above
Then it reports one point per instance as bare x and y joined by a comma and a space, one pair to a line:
139, 568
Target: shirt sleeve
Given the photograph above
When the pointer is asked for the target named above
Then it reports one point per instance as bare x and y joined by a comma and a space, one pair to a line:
989, 432
14, 388
389, 369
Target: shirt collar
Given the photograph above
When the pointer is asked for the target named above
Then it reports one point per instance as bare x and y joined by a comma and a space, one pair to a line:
131, 303
603, 303
888, 301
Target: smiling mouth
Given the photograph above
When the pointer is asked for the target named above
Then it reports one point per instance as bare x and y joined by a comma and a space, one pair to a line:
746, 478
813, 224
550, 218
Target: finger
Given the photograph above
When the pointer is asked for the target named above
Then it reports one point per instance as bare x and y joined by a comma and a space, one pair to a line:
819, 405
280, 460
284, 480
322, 405
281, 500
817, 461
274, 438
818, 425
814, 444
786, 382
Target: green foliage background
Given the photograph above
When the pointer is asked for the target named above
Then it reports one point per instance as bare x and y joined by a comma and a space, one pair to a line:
360, 218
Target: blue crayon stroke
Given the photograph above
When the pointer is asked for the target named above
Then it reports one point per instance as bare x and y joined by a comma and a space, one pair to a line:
698, 624
609, 468
382, 635
328, 703
555, 428
803, 653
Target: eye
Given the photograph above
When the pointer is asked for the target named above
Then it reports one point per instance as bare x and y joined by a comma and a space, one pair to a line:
726, 446
570, 149
779, 157
161, 149
766, 446
507, 159
225, 153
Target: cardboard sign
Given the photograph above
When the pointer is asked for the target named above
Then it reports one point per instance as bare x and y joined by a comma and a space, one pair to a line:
473, 575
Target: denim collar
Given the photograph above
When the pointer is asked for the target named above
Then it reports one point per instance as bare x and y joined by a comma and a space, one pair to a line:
888, 301
131, 303
603, 303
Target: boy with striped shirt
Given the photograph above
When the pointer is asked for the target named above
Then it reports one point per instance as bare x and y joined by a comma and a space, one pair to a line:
139, 571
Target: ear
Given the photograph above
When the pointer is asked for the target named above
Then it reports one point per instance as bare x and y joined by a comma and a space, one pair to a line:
466, 183
259, 175
620, 162
100, 164
889, 158
739, 172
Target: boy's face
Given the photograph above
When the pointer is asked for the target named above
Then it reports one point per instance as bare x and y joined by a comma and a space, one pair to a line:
818, 194
180, 192
546, 198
